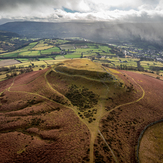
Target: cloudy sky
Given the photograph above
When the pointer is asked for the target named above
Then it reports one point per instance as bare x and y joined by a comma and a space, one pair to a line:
81, 10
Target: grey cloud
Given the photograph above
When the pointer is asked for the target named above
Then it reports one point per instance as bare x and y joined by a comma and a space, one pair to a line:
42, 10
71, 4
14, 4
152, 2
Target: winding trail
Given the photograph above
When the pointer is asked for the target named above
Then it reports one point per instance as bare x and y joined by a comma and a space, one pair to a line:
133, 102
93, 128
129, 103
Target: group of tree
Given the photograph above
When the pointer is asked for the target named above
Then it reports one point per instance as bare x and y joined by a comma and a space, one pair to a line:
125, 67
155, 68
15, 73
8, 69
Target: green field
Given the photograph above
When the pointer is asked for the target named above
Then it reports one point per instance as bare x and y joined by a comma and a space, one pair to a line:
30, 46
23, 60
73, 55
116, 62
42, 59
147, 64
17, 52
49, 51
59, 41
67, 46
88, 49
105, 48
11, 55
59, 57
30, 53
89, 54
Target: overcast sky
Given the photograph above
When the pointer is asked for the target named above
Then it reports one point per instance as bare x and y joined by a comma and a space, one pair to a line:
81, 10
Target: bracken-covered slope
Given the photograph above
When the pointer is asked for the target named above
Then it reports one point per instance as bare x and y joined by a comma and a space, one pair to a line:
76, 111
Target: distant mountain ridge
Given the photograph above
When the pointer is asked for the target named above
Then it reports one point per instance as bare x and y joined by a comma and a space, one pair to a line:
95, 31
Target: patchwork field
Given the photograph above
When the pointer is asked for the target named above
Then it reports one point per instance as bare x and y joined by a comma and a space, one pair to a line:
49, 51
7, 62
42, 46
30, 53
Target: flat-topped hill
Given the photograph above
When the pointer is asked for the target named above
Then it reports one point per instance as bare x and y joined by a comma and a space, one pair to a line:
74, 111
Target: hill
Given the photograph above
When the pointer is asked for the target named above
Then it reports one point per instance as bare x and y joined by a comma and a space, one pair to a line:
10, 41
76, 111
136, 33
4, 35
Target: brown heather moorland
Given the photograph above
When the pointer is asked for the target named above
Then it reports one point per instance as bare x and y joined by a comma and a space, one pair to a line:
76, 111
121, 127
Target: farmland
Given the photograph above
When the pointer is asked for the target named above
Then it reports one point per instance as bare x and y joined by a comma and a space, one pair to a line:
50, 50
42, 46
58, 49
8, 62
29, 53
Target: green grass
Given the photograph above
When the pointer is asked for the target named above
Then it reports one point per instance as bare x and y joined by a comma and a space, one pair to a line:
17, 52
89, 54
30, 53
82, 50
105, 48
67, 46
87, 51
59, 57
11, 55
22, 60
72, 56
49, 51
109, 54
92, 50
30, 46
130, 62
151, 63
58, 41
95, 49
42, 59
